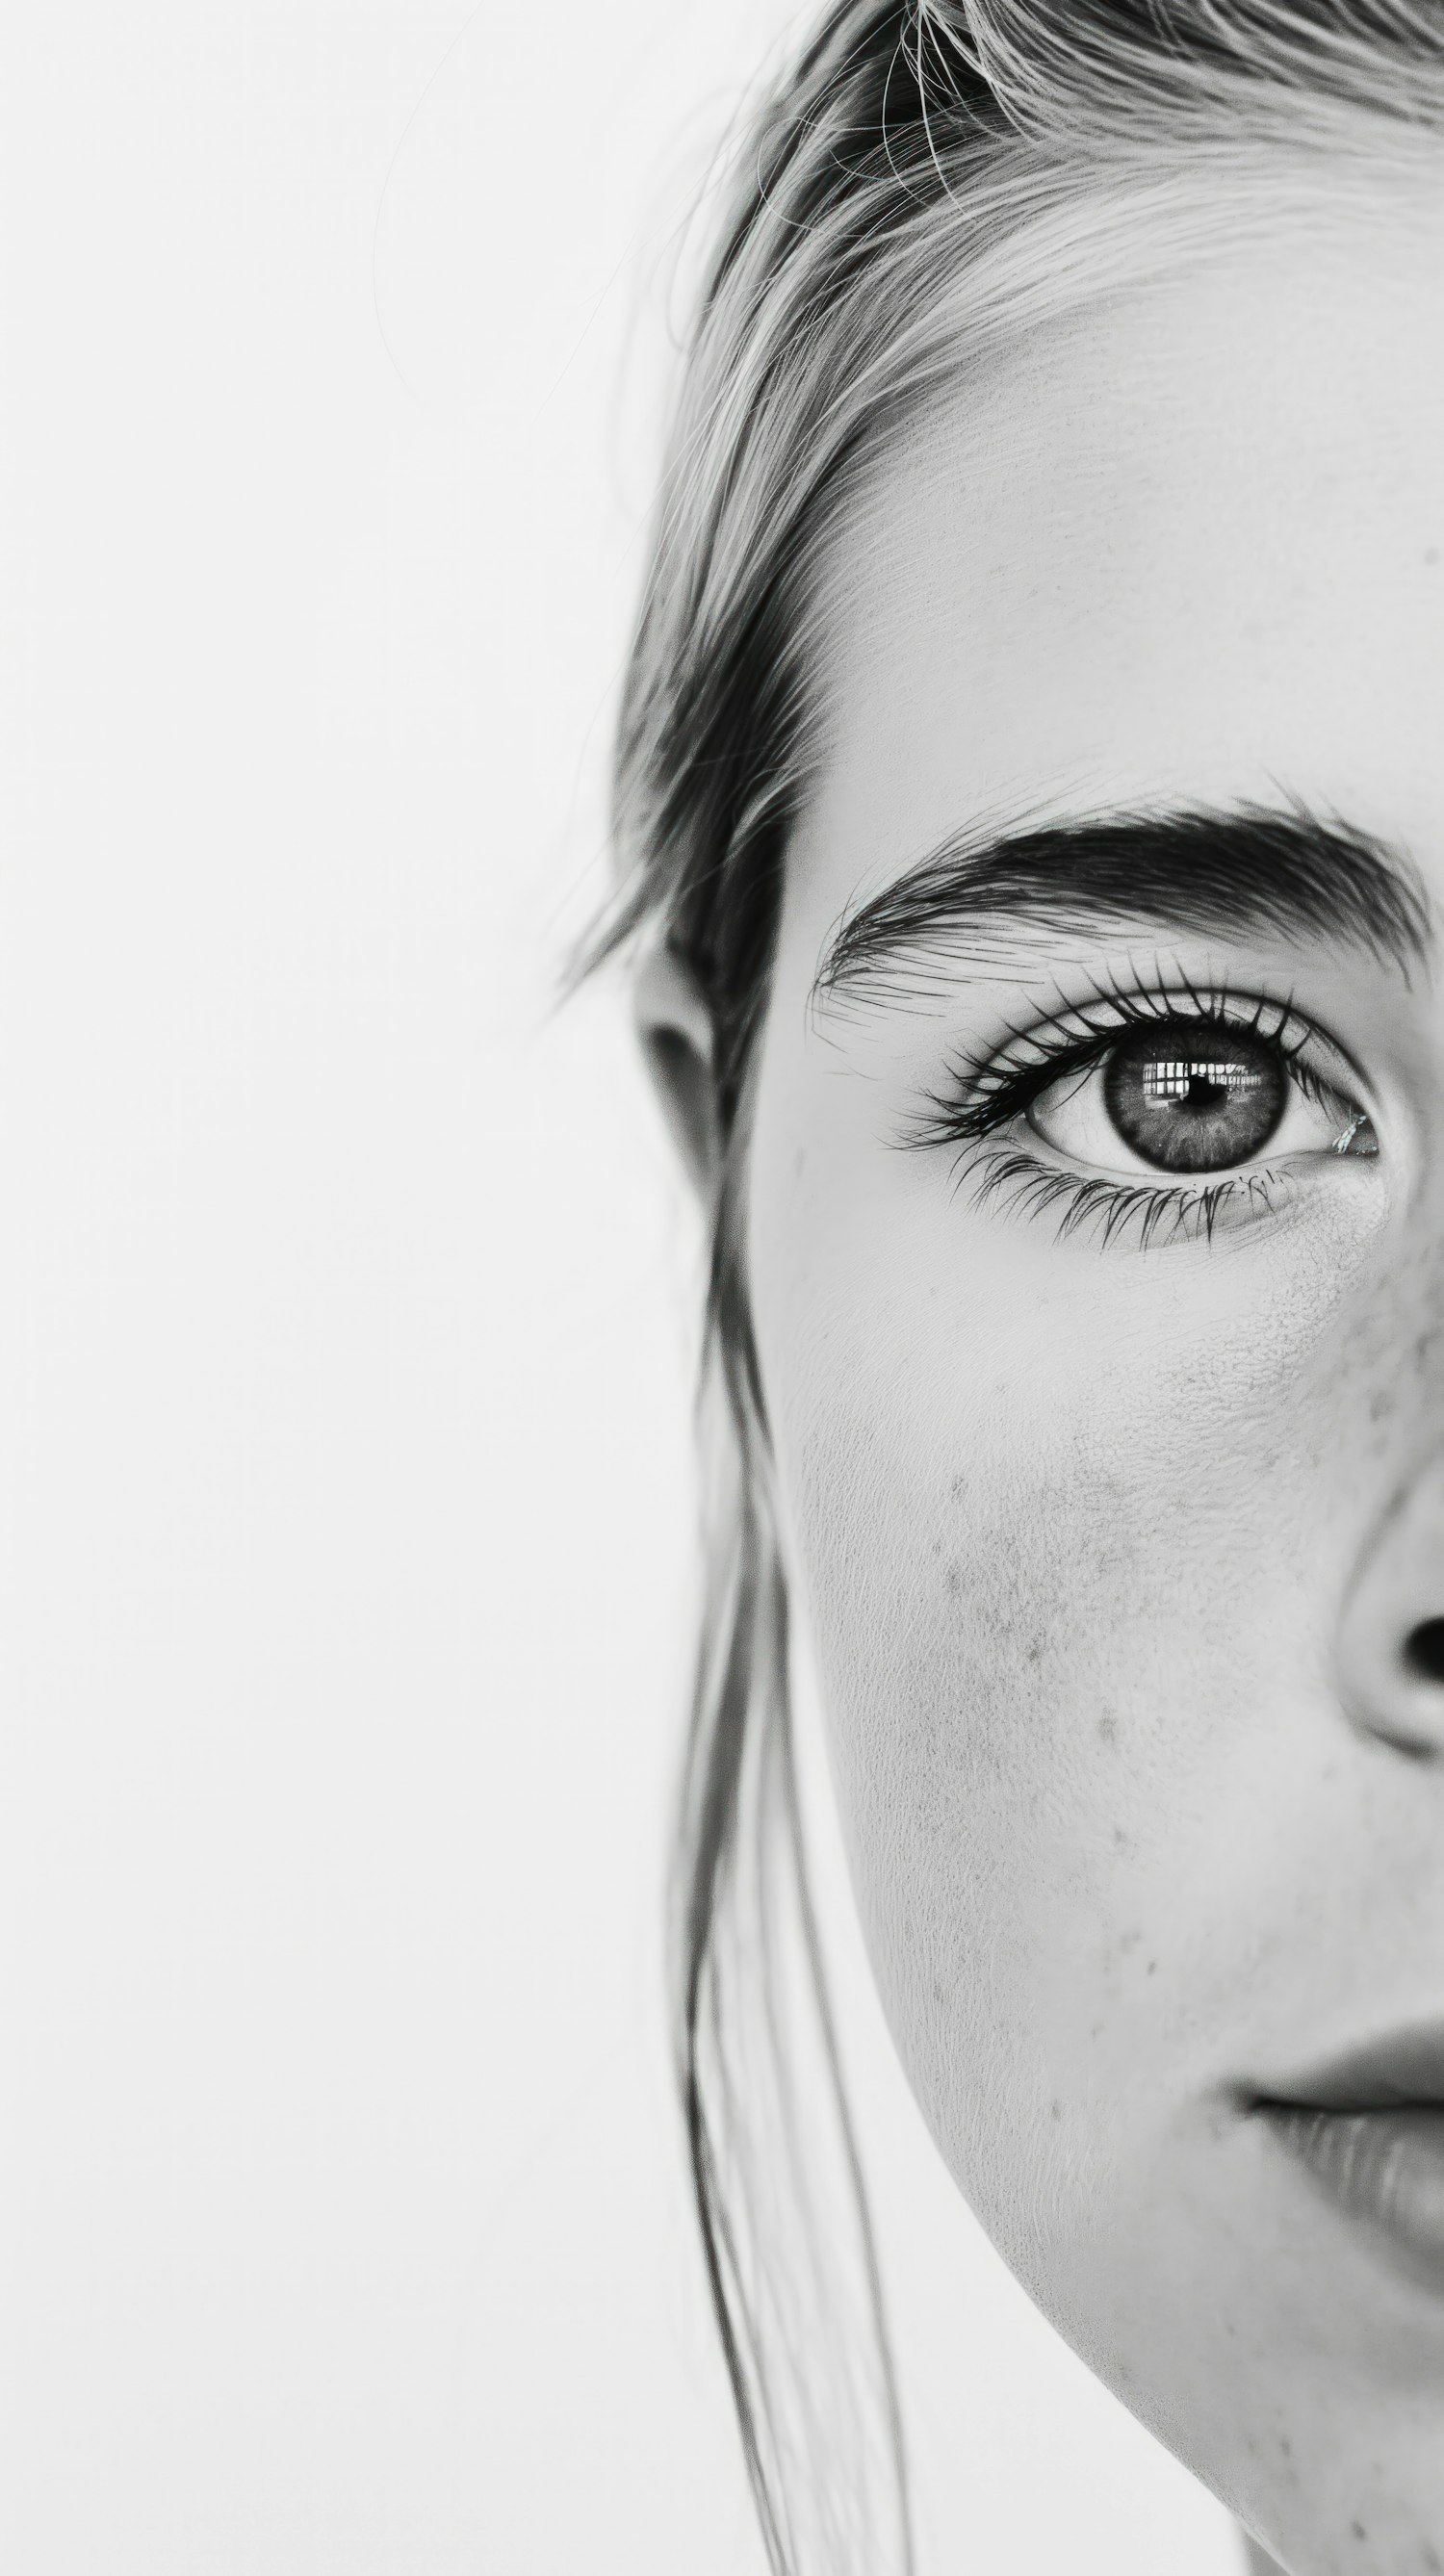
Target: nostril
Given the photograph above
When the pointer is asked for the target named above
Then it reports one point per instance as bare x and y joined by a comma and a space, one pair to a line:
1424, 1650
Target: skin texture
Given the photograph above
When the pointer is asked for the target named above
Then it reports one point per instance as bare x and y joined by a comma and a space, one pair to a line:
1107, 1553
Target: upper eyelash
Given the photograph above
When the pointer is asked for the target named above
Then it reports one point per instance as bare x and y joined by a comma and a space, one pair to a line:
985, 1092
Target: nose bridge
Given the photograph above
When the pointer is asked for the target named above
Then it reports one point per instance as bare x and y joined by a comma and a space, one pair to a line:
1422, 1357
1390, 1634
1397, 1348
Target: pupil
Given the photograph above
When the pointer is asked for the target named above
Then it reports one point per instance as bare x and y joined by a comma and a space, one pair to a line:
1194, 1100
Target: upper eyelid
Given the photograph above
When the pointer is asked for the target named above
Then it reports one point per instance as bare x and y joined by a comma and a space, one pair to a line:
1290, 1028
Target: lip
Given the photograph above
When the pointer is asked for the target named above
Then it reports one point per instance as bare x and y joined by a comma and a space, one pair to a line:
1368, 2131
1403, 2070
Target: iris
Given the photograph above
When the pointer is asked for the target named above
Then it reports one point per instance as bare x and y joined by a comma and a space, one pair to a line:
1195, 1100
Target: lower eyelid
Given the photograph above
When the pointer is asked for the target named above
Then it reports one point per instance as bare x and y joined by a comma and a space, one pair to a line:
1147, 1207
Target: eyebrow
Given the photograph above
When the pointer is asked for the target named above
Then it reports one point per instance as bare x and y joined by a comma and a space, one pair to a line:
1191, 870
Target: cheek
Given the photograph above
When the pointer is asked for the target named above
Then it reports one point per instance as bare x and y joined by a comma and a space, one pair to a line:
1060, 1567
994, 1621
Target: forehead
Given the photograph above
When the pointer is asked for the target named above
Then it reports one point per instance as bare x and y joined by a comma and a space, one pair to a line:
1185, 540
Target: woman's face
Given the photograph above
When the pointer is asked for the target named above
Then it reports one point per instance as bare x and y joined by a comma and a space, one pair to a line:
1097, 1249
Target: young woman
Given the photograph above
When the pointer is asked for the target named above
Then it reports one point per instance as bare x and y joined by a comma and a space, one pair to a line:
1031, 811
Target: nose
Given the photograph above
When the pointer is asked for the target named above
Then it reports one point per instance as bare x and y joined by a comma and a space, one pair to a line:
1390, 1648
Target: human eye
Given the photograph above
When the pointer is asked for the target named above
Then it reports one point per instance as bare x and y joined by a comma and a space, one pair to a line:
1152, 1115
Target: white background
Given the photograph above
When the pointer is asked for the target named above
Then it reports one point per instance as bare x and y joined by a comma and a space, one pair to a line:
344, 1388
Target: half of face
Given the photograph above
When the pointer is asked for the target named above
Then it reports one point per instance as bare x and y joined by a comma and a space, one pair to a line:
1096, 1238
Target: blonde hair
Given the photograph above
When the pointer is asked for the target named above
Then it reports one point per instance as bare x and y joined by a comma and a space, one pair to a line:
928, 174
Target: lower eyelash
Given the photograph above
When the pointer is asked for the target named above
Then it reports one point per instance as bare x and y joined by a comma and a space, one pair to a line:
1114, 1210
